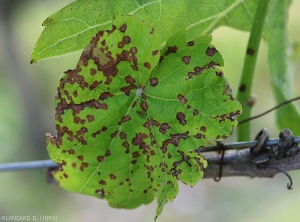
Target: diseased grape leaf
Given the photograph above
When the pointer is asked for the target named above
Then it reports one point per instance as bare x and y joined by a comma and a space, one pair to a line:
132, 118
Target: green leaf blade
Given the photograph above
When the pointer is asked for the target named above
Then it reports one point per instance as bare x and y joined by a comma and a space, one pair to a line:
71, 28
131, 118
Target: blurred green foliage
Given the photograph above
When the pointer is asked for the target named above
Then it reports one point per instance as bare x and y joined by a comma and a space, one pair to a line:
26, 95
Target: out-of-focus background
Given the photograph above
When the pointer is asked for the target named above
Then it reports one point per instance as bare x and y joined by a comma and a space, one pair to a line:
27, 113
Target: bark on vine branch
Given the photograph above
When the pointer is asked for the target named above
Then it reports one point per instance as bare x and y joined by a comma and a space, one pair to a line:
237, 163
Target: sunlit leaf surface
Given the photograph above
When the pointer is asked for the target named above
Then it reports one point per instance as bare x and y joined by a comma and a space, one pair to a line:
71, 28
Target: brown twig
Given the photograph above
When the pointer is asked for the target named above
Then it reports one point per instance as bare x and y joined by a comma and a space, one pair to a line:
264, 113
238, 164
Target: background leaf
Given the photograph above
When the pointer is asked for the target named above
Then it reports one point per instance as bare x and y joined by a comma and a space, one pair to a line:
279, 64
71, 28
131, 119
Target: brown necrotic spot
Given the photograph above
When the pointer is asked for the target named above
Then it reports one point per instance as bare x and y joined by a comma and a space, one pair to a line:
100, 158
129, 80
171, 49
125, 119
81, 140
100, 192
90, 118
138, 140
105, 95
186, 59
144, 95
134, 67
76, 108
107, 153
203, 128
161, 58
123, 28
126, 39
93, 71
250, 51
154, 122
125, 144
94, 85
133, 50
80, 157
135, 154
152, 30
127, 89
65, 175
181, 118
101, 32
133, 104
164, 127
98, 105
74, 165
112, 176
120, 45
110, 31
108, 80
71, 151
191, 43
147, 65
153, 81
102, 182
198, 69
151, 168
175, 139
195, 112
147, 124
182, 99
242, 88
211, 51
155, 52
114, 134
220, 74
144, 106
83, 165
198, 136
123, 135
75, 93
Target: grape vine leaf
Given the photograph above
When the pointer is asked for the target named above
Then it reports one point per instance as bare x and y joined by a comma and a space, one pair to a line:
71, 28
132, 117
275, 33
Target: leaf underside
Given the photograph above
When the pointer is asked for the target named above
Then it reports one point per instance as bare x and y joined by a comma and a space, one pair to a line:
132, 117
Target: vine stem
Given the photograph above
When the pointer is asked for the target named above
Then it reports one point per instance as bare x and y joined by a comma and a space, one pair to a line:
215, 148
244, 93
